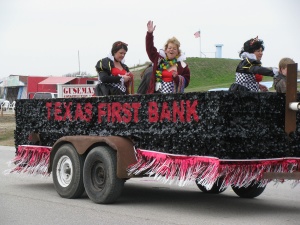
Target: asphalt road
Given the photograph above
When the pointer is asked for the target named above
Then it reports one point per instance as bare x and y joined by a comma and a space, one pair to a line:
33, 200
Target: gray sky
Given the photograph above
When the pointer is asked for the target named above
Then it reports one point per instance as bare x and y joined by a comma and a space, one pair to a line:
43, 37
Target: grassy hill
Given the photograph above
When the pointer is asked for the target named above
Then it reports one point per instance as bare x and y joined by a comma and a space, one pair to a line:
207, 73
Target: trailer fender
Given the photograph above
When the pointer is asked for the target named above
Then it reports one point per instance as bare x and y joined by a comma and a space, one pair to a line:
123, 146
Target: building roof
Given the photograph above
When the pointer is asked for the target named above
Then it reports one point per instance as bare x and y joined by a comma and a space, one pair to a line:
57, 80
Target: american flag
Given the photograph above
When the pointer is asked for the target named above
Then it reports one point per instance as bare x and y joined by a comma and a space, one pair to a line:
197, 34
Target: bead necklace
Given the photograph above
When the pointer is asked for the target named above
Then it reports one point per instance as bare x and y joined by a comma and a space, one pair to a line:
164, 65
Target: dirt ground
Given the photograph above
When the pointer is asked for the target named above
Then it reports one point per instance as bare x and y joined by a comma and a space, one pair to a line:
7, 127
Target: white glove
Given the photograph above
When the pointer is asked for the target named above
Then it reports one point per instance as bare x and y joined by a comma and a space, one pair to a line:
275, 71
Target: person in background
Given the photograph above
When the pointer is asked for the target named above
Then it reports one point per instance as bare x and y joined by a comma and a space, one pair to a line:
113, 75
145, 80
245, 79
170, 74
280, 79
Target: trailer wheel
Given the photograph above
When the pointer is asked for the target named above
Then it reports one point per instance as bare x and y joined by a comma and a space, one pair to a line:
100, 175
216, 188
67, 172
251, 191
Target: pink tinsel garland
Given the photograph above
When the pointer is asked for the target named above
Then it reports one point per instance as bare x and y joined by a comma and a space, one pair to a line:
179, 168
169, 168
241, 173
31, 159
206, 170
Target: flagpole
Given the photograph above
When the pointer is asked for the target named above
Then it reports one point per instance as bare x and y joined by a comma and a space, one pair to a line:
79, 62
198, 35
200, 43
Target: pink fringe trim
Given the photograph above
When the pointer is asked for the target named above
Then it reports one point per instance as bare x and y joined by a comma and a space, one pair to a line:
241, 173
176, 168
31, 159
207, 170
170, 168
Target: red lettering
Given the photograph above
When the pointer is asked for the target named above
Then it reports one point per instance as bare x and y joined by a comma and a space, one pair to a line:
88, 109
165, 112
136, 106
178, 112
191, 111
127, 113
78, 112
57, 111
108, 112
48, 106
101, 111
115, 112
66, 91
152, 112
68, 114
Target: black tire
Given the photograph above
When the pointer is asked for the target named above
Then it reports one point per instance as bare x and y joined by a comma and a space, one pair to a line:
100, 175
67, 172
216, 188
251, 191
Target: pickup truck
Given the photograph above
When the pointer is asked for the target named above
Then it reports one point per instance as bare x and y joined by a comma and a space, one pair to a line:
215, 140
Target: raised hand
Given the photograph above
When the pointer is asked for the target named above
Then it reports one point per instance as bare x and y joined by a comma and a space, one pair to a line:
150, 26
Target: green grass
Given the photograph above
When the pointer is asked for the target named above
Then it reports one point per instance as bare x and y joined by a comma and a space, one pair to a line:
207, 73
7, 127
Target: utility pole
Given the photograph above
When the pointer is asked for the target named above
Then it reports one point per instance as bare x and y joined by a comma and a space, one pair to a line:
79, 62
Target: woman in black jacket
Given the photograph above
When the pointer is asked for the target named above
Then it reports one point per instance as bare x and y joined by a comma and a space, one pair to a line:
250, 65
113, 75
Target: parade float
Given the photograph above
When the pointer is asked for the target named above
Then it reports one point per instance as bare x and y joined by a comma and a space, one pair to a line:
214, 140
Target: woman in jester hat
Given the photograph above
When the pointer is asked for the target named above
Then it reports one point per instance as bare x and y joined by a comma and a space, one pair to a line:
250, 65
170, 73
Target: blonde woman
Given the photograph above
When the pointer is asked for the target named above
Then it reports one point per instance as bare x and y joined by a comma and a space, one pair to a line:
170, 73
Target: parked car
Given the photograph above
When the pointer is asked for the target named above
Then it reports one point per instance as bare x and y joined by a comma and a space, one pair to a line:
219, 89
44, 95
